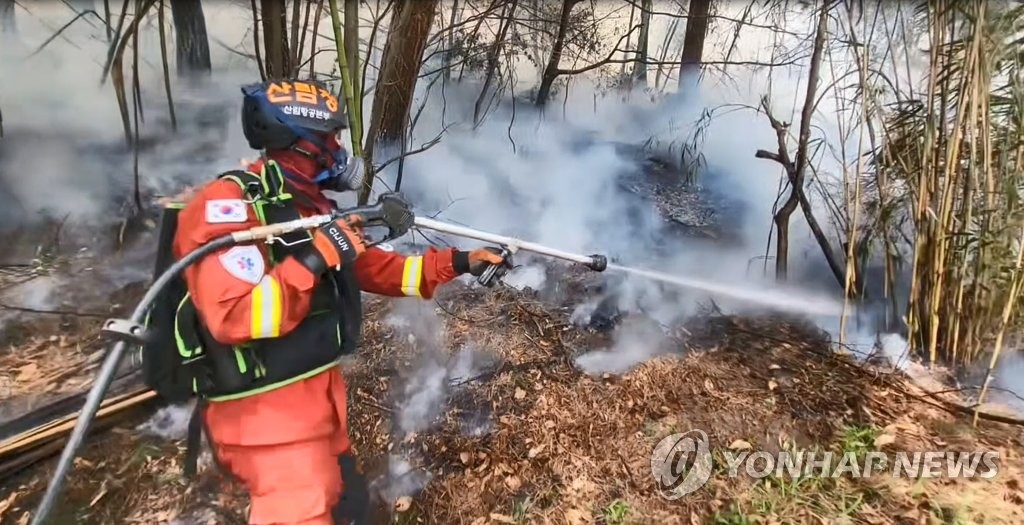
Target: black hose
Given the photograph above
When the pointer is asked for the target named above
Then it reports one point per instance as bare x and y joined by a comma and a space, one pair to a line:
107, 372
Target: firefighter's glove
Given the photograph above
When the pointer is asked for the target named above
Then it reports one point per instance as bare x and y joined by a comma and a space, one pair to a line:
476, 262
337, 243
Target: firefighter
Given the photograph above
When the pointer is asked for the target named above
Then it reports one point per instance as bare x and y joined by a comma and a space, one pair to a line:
275, 414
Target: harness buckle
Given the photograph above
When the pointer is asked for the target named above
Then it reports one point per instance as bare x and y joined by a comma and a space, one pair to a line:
253, 196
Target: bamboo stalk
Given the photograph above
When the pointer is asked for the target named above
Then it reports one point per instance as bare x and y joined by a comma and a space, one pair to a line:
950, 177
58, 427
1011, 299
355, 124
851, 242
166, 66
137, 112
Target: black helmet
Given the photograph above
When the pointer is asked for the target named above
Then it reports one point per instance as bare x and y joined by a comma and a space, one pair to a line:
275, 114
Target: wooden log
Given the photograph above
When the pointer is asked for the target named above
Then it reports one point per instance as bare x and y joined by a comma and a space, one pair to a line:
39, 442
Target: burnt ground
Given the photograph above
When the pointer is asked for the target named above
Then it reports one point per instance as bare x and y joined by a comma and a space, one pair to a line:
523, 436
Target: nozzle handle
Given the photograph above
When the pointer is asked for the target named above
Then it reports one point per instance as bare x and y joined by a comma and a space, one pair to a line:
391, 210
494, 272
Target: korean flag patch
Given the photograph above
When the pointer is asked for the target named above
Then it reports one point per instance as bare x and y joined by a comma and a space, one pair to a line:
225, 210
244, 262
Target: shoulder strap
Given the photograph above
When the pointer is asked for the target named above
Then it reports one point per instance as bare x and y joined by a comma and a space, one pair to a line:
271, 202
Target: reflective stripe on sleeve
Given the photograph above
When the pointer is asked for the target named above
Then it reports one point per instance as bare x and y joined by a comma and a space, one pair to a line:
412, 275
266, 308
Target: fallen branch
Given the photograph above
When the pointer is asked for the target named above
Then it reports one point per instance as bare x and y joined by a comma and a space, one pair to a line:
39, 311
22, 450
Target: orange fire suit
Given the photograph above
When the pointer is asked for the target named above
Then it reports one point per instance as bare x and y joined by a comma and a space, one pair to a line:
283, 444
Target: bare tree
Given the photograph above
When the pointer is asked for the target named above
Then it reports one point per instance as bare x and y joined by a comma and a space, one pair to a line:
551, 70
396, 84
796, 169
447, 73
640, 67
7, 24
275, 38
190, 38
693, 40
492, 60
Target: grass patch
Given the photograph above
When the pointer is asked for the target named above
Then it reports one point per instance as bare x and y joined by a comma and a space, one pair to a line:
788, 499
733, 516
858, 439
521, 509
616, 512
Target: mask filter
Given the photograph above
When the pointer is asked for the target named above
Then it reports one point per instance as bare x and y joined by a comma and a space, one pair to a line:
344, 174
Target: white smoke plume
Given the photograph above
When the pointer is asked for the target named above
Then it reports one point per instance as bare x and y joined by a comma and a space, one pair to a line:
634, 342
170, 422
403, 479
424, 391
1009, 380
64, 154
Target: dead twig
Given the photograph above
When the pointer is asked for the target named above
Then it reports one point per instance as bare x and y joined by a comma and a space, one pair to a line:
61, 30
41, 311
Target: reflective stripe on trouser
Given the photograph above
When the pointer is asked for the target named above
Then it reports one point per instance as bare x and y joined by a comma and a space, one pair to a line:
266, 308
412, 275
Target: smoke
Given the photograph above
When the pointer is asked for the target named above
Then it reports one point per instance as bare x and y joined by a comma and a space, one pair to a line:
1009, 380
532, 276
169, 422
403, 479
566, 182
632, 345
560, 177
64, 154
424, 389
424, 392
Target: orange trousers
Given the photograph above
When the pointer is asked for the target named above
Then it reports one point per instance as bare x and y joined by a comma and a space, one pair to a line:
283, 446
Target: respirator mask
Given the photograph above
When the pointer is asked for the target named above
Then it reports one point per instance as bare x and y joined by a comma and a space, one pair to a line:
340, 172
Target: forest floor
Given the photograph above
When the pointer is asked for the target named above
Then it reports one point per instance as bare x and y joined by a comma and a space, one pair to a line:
521, 435
475, 408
